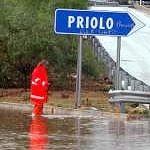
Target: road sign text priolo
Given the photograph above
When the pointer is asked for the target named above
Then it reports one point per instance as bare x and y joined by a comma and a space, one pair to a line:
90, 22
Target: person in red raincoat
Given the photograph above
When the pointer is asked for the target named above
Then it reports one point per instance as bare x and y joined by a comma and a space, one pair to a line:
39, 87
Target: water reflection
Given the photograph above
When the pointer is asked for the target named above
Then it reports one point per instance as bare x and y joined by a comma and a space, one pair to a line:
77, 126
38, 134
116, 127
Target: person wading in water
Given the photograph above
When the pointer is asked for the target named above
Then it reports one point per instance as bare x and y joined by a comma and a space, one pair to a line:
39, 87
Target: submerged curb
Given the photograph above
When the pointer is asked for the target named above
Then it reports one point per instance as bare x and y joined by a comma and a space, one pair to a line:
56, 112
48, 110
16, 106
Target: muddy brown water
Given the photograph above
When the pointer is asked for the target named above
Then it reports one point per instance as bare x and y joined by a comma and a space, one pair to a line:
92, 131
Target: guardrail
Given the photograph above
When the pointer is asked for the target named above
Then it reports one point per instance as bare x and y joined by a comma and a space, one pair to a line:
125, 96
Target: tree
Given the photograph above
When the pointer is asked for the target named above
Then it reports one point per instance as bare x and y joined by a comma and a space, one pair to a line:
28, 36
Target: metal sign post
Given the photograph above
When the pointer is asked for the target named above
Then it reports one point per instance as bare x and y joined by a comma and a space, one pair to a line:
117, 86
79, 71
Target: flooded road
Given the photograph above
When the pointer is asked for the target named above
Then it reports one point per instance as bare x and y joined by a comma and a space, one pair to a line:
96, 131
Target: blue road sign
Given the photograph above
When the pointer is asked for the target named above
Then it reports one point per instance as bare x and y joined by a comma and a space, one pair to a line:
88, 22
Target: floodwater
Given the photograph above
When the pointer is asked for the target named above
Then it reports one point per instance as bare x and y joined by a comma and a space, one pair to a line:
94, 131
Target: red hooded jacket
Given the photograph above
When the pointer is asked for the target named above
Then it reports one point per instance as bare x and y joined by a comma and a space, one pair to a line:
39, 85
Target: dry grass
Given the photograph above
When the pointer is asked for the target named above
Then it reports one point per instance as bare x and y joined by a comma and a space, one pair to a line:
65, 99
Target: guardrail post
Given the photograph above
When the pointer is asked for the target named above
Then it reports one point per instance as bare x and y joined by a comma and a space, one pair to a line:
132, 84
146, 88
124, 80
138, 85
110, 67
95, 49
122, 107
98, 53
